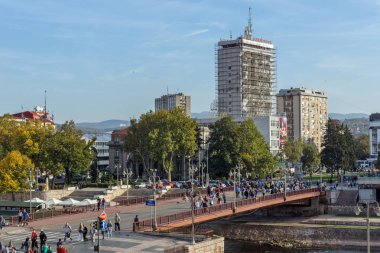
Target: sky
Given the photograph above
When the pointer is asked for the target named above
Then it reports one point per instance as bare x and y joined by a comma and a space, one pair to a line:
101, 60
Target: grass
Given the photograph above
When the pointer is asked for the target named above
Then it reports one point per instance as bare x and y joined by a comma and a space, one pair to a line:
357, 216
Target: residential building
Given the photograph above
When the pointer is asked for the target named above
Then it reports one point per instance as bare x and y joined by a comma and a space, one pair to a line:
273, 129
374, 134
171, 101
118, 155
306, 112
246, 76
101, 148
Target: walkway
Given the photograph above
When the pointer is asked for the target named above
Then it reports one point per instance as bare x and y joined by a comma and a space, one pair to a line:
179, 220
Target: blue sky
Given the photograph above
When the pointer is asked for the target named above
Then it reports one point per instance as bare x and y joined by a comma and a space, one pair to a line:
109, 59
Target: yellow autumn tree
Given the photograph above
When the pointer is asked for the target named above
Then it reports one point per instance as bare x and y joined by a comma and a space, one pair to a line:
14, 168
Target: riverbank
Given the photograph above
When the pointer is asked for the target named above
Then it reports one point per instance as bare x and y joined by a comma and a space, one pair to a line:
289, 233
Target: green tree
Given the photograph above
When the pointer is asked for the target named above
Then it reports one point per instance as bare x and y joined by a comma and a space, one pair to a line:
69, 152
310, 158
293, 150
14, 174
224, 147
254, 151
362, 147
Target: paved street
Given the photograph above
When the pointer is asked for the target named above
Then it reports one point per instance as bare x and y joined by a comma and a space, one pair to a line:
121, 241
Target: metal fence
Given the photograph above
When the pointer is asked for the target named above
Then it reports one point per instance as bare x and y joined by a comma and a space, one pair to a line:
167, 219
141, 200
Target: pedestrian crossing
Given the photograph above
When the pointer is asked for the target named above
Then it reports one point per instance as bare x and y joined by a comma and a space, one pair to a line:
52, 237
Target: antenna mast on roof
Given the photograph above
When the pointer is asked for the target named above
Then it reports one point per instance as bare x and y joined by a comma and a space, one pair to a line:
248, 28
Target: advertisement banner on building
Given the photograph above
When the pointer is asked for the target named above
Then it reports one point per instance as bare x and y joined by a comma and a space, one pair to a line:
283, 129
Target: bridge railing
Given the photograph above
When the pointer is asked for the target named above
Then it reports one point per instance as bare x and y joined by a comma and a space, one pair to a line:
167, 219
141, 200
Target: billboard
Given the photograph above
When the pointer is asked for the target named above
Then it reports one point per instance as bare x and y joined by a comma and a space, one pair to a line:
283, 129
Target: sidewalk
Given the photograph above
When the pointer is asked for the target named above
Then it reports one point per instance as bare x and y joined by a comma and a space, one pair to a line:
62, 219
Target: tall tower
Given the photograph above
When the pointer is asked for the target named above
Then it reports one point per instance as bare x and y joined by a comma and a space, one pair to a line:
246, 75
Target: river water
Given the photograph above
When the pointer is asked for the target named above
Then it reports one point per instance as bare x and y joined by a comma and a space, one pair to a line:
232, 246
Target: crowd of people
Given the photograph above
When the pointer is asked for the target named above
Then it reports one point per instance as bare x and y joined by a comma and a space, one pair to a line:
38, 243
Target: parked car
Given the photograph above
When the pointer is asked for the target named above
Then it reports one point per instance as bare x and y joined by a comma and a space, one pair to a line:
140, 184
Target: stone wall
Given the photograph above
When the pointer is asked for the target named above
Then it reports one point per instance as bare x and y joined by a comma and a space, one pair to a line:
288, 236
44, 195
212, 245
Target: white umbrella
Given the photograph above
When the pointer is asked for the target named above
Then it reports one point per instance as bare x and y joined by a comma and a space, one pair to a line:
53, 202
35, 200
68, 202
86, 202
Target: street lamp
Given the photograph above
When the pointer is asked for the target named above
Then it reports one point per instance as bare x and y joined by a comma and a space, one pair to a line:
202, 166
118, 166
358, 210
127, 174
153, 177
192, 170
234, 173
30, 191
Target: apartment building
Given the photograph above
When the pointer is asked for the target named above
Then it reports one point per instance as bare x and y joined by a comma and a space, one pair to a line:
171, 101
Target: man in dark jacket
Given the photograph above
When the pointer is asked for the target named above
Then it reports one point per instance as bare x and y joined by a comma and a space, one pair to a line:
43, 237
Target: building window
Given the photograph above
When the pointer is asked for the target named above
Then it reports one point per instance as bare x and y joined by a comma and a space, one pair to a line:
117, 137
117, 154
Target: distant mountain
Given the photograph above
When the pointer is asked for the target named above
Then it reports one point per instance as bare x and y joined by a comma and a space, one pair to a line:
340, 116
201, 115
103, 126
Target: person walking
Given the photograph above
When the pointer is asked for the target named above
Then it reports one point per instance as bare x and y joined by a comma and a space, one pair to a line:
117, 222
136, 224
43, 238
19, 217
109, 229
34, 237
104, 228
2, 222
85, 231
93, 233
98, 200
67, 230
80, 232
104, 204
25, 217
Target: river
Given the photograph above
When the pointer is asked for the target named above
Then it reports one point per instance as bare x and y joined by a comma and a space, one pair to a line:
232, 246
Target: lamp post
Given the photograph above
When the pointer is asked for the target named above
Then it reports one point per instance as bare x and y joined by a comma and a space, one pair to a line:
127, 173
117, 173
154, 176
358, 210
234, 173
207, 175
192, 170
30, 191
203, 165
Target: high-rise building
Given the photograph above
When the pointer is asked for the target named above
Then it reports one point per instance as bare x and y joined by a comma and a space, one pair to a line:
246, 76
374, 134
171, 101
306, 112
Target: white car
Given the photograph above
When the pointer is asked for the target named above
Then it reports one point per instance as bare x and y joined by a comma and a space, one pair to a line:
140, 185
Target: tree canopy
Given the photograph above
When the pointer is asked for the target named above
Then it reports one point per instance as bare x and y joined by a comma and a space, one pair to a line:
231, 144
160, 136
338, 147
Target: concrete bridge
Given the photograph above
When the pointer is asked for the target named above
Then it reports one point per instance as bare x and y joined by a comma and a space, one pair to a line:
180, 220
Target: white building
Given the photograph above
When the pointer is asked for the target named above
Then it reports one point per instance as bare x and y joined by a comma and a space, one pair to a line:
273, 129
102, 149
172, 101
374, 134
